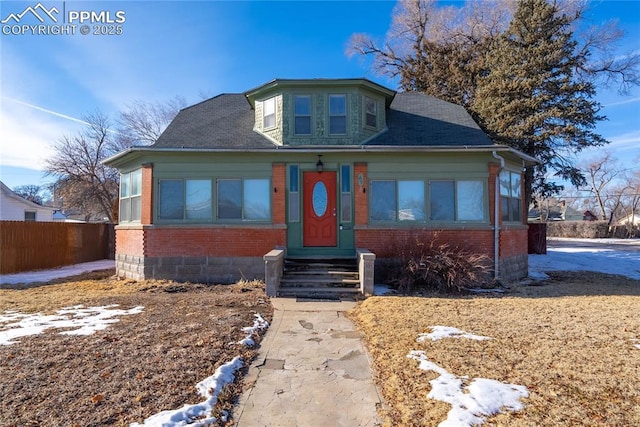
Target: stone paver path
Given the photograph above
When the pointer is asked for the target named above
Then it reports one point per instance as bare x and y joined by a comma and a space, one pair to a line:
312, 370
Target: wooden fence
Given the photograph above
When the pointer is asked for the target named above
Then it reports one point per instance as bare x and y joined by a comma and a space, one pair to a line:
28, 246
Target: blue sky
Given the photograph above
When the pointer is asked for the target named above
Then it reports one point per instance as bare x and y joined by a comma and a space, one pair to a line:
196, 48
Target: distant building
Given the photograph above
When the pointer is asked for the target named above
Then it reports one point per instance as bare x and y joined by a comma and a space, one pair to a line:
16, 208
633, 219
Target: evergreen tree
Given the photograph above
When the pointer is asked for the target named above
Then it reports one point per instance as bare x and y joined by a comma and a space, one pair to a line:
530, 99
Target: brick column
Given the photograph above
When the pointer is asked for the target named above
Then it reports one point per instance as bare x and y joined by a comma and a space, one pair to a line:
146, 216
279, 191
360, 193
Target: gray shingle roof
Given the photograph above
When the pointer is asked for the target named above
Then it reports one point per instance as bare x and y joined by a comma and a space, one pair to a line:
225, 121
413, 119
416, 119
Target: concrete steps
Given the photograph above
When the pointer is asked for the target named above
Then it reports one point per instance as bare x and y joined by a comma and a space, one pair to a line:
326, 278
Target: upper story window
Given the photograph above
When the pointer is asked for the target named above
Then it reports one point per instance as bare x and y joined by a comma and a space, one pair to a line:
269, 113
337, 114
302, 114
511, 196
370, 112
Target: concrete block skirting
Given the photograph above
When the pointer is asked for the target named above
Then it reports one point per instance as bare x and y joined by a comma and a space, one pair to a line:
514, 268
190, 269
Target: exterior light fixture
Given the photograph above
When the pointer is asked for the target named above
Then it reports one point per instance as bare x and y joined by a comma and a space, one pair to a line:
319, 164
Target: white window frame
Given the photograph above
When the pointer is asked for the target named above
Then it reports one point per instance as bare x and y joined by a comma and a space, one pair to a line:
266, 102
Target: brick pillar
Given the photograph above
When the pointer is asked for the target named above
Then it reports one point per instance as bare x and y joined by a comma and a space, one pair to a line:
279, 191
146, 216
360, 193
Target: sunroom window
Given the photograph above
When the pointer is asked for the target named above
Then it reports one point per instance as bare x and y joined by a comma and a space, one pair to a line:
244, 199
269, 113
184, 199
302, 114
131, 196
461, 200
511, 196
397, 200
337, 114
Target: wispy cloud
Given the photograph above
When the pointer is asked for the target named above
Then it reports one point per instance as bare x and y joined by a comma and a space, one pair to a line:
55, 113
626, 101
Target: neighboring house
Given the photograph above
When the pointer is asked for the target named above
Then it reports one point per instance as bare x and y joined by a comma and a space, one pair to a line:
320, 167
16, 208
633, 219
560, 212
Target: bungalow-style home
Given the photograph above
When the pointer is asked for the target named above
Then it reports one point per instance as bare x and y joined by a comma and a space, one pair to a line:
16, 208
314, 170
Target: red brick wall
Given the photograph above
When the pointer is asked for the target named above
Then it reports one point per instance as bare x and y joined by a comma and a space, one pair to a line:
279, 185
360, 196
129, 241
217, 241
146, 216
513, 242
382, 241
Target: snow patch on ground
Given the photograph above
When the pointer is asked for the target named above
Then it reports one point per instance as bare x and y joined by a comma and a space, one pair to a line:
602, 260
85, 321
199, 414
471, 402
634, 340
258, 324
441, 332
192, 415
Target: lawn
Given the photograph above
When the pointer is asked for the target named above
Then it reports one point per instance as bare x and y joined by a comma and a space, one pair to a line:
573, 342
149, 361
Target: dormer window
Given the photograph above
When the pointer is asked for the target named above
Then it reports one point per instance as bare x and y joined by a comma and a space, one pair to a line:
371, 112
302, 113
337, 114
269, 113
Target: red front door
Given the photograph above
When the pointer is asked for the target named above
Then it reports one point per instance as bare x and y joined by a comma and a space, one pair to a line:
319, 209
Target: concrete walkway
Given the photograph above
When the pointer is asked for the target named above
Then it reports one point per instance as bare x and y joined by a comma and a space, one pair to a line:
312, 370
43, 276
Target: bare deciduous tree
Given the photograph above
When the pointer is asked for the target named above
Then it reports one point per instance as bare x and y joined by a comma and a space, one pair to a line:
143, 122
82, 180
603, 175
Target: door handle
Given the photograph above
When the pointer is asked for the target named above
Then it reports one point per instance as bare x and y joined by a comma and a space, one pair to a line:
334, 211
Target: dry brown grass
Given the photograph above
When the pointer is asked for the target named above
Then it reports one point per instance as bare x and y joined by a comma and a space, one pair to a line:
141, 365
569, 341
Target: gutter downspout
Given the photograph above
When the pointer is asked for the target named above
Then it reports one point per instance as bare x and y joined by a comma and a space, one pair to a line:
496, 224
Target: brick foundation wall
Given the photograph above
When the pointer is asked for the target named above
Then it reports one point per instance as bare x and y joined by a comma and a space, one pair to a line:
513, 258
212, 254
381, 241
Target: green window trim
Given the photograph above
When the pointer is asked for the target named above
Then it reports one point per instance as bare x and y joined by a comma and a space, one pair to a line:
446, 201
511, 196
370, 112
130, 208
211, 200
338, 123
346, 194
243, 199
294, 193
302, 115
